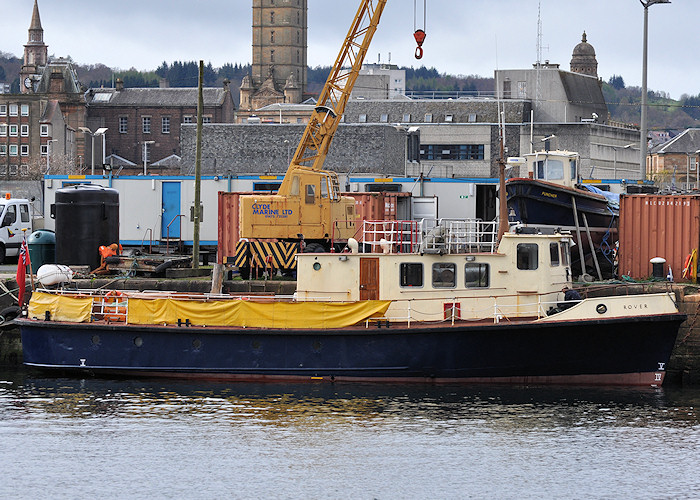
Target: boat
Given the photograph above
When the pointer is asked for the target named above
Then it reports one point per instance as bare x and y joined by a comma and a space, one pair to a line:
409, 302
552, 196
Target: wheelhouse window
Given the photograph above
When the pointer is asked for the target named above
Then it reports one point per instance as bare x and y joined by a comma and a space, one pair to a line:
550, 169
476, 275
554, 254
411, 274
527, 256
444, 275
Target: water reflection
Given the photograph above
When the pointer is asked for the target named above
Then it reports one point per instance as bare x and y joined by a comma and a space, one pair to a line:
343, 403
173, 439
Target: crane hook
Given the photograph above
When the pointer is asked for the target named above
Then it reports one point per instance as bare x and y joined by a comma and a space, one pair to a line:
419, 35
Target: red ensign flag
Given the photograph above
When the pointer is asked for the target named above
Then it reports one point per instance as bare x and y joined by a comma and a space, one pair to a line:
22, 263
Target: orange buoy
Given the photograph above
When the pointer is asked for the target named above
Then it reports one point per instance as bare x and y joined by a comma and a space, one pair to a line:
115, 306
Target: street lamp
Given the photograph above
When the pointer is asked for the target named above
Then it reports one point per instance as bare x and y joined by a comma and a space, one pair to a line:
288, 150
99, 131
643, 141
615, 148
145, 156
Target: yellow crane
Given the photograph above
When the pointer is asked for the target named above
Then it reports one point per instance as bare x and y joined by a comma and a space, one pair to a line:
308, 205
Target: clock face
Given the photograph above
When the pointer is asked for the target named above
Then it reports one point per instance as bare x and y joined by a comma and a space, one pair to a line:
28, 83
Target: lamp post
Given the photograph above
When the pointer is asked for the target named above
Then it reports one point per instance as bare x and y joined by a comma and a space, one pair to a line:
643, 140
615, 148
99, 131
145, 156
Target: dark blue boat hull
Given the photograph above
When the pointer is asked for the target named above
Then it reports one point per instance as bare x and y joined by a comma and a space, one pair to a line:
533, 202
629, 351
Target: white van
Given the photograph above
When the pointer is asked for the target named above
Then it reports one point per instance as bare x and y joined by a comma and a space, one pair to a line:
15, 215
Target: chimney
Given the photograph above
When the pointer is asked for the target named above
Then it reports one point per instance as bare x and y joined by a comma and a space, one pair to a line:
119, 84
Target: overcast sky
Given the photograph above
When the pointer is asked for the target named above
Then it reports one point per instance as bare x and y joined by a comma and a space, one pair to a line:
464, 37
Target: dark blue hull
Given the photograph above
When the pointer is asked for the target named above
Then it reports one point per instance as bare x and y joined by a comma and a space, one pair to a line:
627, 351
534, 202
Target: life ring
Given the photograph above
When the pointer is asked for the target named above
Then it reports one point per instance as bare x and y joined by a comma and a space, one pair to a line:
114, 306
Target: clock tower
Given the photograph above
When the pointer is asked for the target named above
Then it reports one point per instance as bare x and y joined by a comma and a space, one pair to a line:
35, 54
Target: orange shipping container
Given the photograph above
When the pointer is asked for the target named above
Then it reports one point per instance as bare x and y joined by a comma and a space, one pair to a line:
657, 226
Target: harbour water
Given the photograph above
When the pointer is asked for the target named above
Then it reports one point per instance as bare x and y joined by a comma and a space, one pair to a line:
91, 438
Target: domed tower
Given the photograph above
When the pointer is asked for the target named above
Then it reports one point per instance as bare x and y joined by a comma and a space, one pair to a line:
583, 59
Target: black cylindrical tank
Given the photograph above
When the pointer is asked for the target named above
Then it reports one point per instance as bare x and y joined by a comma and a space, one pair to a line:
87, 216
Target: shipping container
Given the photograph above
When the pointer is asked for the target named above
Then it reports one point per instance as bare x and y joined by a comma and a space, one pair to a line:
657, 226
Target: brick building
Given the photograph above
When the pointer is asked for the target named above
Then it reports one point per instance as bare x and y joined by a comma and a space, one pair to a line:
144, 123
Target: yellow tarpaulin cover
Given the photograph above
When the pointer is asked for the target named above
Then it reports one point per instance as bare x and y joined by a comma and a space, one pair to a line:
254, 314
61, 307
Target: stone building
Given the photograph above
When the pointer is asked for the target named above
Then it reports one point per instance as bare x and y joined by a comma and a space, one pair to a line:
279, 61
38, 126
242, 149
674, 164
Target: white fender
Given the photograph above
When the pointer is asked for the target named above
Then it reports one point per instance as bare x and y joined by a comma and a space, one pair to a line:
53, 274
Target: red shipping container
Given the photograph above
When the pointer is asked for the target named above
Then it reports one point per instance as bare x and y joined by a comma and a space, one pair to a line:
657, 226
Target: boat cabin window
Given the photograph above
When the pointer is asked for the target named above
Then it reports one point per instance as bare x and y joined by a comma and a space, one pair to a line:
476, 275
573, 169
444, 275
550, 170
564, 245
554, 254
310, 194
527, 256
411, 274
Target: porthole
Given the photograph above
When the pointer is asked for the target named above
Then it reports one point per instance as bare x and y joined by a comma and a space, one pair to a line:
138, 341
197, 344
316, 346
255, 345
601, 308
95, 340
317, 266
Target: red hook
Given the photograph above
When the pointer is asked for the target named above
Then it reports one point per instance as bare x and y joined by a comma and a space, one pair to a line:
419, 35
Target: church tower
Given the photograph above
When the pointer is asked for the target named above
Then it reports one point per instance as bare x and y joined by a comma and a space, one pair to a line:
279, 43
35, 54
583, 59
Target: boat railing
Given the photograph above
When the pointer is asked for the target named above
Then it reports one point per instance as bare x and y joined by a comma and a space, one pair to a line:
441, 236
448, 236
390, 236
